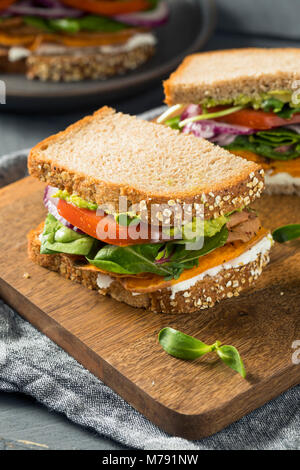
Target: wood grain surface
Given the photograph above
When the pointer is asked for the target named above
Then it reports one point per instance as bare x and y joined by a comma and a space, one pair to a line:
119, 344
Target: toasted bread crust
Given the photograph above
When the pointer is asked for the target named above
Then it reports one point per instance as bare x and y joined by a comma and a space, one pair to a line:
223, 75
205, 293
227, 189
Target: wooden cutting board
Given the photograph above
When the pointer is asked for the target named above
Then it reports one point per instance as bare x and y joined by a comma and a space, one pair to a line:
119, 344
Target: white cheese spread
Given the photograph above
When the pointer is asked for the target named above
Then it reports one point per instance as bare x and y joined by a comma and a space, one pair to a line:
104, 281
138, 40
18, 53
249, 256
282, 179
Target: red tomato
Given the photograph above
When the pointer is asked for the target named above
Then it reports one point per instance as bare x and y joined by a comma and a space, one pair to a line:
104, 227
6, 3
256, 119
108, 7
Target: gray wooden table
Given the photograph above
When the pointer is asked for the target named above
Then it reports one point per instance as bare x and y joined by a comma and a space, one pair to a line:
24, 424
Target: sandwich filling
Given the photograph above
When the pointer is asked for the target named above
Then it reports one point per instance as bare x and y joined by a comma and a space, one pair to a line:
71, 27
163, 257
265, 130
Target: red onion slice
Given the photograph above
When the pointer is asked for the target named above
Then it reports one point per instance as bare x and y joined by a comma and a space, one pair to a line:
29, 8
223, 139
220, 133
47, 3
51, 203
150, 18
190, 111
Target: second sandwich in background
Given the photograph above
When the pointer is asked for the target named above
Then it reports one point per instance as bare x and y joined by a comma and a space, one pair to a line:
247, 101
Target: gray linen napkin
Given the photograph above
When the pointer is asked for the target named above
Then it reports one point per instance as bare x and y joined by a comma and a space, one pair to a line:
32, 364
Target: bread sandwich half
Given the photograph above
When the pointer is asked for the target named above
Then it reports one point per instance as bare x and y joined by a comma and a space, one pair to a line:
247, 101
146, 215
71, 40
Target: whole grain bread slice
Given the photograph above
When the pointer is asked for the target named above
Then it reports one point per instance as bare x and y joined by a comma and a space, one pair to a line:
205, 293
111, 154
96, 66
224, 75
74, 68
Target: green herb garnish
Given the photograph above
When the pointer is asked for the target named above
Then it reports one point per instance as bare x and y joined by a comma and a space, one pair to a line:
173, 122
187, 347
286, 233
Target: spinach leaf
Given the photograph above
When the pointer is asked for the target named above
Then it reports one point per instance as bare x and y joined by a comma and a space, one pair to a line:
168, 259
272, 105
39, 23
133, 259
147, 258
282, 109
90, 23
276, 137
266, 143
95, 23
288, 112
56, 238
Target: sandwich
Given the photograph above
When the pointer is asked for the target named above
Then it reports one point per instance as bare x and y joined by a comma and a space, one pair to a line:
247, 101
71, 40
148, 216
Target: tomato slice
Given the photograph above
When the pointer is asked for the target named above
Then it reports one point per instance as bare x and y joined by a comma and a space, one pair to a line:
255, 119
104, 227
6, 3
109, 7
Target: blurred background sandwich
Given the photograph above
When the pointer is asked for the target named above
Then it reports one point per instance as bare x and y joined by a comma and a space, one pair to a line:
247, 101
72, 40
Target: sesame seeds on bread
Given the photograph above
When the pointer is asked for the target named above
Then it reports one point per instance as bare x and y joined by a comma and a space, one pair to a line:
111, 154
225, 75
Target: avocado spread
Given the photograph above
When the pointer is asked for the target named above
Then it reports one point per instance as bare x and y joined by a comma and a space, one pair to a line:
243, 100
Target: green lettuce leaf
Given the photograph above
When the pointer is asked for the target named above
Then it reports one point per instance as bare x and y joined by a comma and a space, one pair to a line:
283, 110
265, 143
91, 23
186, 259
133, 259
56, 238
173, 122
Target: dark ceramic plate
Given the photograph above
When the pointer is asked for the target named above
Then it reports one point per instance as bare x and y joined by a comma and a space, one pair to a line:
189, 27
